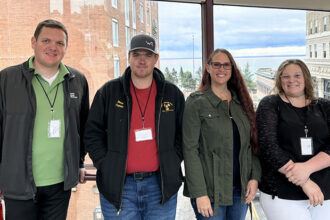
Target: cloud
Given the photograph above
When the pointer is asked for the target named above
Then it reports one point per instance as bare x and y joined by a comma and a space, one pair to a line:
235, 28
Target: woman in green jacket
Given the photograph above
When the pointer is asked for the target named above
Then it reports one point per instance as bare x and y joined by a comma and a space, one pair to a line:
220, 143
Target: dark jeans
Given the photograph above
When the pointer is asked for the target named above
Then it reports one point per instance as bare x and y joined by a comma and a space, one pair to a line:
237, 211
51, 203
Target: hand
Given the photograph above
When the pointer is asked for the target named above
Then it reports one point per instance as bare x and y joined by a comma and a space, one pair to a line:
82, 173
204, 206
284, 169
251, 191
298, 173
314, 193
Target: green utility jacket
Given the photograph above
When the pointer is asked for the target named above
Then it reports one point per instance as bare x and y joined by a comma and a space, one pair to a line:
208, 148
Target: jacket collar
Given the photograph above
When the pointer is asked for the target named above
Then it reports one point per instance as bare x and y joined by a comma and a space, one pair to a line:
29, 72
215, 100
157, 75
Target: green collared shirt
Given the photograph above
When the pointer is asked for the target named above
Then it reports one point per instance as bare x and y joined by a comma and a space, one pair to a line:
48, 153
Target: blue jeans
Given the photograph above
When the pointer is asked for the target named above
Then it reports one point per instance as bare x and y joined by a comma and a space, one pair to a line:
141, 201
237, 211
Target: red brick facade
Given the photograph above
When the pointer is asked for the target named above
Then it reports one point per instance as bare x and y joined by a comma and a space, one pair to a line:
90, 50
89, 26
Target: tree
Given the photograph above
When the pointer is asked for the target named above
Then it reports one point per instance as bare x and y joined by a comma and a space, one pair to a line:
248, 78
199, 77
187, 81
171, 76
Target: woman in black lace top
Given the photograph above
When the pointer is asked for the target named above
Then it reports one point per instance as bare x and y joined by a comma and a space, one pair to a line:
294, 140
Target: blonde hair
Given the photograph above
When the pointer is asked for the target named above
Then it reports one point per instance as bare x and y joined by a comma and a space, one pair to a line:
309, 88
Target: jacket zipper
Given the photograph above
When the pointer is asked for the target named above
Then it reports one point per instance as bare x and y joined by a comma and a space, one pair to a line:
123, 181
66, 114
160, 166
33, 104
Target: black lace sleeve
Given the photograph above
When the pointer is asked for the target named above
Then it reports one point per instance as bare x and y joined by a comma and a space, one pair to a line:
267, 122
325, 105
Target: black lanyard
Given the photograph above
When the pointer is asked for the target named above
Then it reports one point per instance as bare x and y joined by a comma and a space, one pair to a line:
51, 105
145, 107
304, 120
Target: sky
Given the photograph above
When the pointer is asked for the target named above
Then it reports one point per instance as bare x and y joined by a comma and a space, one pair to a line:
244, 31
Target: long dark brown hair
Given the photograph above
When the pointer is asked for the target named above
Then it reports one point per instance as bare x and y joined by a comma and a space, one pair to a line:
236, 83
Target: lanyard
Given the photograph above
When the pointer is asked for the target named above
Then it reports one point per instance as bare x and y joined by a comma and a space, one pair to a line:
304, 120
145, 107
51, 105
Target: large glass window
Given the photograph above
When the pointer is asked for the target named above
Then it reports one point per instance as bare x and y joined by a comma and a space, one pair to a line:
116, 67
310, 51
325, 24
128, 38
315, 26
148, 17
127, 12
141, 13
324, 50
315, 50
134, 13
115, 3
115, 37
311, 27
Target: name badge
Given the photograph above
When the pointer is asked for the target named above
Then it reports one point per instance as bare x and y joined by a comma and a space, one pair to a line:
306, 144
144, 134
54, 129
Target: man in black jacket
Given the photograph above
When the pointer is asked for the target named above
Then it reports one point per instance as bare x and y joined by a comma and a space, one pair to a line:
133, 135
43, 108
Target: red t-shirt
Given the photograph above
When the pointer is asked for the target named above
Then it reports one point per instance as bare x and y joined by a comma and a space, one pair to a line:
142, 155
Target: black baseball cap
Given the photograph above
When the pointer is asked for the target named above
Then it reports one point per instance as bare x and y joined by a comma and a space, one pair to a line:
144, 42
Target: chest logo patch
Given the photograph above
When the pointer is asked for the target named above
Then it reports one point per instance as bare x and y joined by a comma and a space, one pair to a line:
119, 104
167, 107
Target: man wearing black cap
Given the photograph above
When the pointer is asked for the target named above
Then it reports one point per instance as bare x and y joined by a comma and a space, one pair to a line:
133, 135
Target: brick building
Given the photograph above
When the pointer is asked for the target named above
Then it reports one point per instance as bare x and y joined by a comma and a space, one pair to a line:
99, 35
99, 32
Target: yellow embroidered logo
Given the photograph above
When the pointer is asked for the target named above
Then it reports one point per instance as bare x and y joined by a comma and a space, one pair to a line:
167, 107
120, 104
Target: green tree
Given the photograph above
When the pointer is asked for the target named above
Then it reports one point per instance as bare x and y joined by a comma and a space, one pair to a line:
248, 78
187, 81
171, 76
199, 77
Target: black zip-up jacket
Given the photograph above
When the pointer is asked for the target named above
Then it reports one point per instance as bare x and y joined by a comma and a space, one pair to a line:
17, 116
107, 134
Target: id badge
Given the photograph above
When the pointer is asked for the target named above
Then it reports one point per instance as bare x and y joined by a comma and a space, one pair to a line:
54, 129
306, 144
144, 134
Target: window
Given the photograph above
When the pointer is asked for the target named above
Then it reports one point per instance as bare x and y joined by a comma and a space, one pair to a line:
134, 32
127, 12
134, 13
116, 67
115, 3
128, 38
311, 28
315, 50
141, 13
315, 26
148, 17
324, 50
325, 24
115, 38
310, 51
